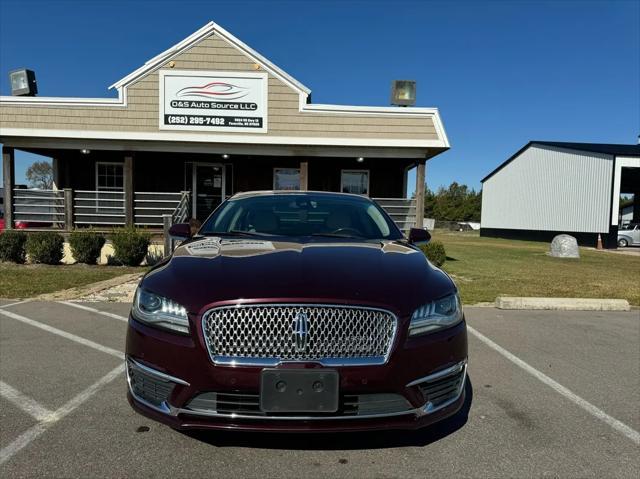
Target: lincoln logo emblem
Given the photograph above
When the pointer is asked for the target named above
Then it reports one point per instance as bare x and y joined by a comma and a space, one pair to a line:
300, 328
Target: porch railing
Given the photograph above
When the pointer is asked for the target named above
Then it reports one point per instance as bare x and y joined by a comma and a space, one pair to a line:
40, 207
103, 208
183, 210
150, 207
401, 210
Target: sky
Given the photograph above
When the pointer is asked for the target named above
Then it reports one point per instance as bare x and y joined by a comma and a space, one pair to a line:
502, 73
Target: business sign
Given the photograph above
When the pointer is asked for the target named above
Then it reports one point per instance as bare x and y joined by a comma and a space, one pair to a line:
213, 101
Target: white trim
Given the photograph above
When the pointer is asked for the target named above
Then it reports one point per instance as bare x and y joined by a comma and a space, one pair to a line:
63, 101
287, 168
356, 170
620, 162
228, 138
213, 73
206, 31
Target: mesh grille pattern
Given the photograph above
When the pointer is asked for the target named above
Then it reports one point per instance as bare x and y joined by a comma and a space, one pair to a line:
274, 332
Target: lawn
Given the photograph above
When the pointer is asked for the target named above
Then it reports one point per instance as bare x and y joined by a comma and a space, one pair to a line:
487, 267
23, 281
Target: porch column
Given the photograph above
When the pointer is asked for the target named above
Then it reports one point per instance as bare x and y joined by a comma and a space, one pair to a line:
304, 175
128, 190
420, 171
8, 183
55, 166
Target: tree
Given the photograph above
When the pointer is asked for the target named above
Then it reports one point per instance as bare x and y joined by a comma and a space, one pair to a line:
455, 203
40, 175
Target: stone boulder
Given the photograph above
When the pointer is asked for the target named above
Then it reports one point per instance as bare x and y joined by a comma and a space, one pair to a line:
564, 246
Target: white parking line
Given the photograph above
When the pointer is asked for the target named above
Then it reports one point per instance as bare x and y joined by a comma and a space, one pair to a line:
64, 334
32, 433
94, 310
24, 403
16, 303
559, 388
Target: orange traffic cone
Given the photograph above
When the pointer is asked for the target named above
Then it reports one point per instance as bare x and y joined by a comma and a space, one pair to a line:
599, 245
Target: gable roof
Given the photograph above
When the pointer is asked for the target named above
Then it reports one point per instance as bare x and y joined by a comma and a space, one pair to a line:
196, 37
605, 148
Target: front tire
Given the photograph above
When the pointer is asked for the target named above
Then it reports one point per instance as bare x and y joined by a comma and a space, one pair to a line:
623, 243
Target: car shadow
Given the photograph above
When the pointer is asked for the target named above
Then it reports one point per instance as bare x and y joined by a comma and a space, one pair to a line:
343, 441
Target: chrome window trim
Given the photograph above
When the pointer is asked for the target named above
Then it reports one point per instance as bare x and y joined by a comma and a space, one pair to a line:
270, 362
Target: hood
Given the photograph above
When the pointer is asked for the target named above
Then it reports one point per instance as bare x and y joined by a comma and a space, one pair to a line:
390, 274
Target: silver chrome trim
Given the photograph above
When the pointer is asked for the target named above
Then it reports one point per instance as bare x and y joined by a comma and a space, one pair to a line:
440, 374
160, 375
222, 360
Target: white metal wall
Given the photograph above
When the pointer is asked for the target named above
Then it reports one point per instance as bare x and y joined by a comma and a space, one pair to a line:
550, 189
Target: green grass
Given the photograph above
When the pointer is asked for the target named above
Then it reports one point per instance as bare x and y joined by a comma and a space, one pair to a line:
485, 268
24, 281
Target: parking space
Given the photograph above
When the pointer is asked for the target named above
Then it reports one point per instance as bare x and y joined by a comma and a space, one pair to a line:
517, 425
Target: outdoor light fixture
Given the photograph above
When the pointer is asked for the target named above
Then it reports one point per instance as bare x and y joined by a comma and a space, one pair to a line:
225, 156
23, 82
403, 92
84, 151
360, 159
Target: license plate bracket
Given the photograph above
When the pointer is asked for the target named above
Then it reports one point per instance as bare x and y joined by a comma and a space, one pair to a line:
299, 390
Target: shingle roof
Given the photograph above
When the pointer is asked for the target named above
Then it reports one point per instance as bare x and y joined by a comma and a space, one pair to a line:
606, 148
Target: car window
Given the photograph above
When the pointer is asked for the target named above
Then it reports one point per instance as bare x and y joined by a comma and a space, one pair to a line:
302, 215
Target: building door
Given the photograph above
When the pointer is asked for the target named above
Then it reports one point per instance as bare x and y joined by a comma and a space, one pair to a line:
208, 188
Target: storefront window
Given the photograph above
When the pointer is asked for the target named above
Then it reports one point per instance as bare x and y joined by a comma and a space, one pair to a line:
355, 181
286, 178
109, 176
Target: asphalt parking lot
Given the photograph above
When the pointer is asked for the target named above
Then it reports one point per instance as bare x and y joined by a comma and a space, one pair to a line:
553, 394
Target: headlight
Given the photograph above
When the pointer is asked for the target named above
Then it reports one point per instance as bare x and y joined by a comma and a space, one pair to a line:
438, 314
159, 311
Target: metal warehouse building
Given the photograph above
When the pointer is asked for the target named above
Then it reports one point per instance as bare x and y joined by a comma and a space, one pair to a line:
548, 188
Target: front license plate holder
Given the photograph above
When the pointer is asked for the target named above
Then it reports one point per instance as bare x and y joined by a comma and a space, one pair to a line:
299, 390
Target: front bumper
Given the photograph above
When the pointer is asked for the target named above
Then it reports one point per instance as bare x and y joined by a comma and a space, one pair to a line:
175, 370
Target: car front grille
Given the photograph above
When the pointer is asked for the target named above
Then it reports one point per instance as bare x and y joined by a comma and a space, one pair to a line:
249, 405
267, 334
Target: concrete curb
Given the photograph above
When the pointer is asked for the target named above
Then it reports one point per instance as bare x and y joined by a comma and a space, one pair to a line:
93, 288
562, 304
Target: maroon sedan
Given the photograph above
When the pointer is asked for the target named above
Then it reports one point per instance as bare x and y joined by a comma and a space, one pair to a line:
297, 311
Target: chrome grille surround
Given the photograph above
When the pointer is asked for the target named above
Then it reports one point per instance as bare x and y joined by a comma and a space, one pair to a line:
265, 334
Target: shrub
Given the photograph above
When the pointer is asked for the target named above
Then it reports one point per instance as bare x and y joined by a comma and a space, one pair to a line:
12, 246
130, 245
45, 247
435, 253
86, 245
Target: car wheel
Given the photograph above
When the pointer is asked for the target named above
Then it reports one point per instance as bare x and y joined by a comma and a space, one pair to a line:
623, 243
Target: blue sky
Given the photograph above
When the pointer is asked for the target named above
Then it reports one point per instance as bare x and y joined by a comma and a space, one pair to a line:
501, 72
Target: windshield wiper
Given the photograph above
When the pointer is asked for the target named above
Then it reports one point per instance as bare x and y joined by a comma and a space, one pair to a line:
336, 235
241, 233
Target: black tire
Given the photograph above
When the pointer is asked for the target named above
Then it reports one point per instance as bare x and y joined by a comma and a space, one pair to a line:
623, 243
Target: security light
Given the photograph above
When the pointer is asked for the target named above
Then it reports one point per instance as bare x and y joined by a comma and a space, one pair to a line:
84, 151
360, 159
225, 156
403, 92
23, 82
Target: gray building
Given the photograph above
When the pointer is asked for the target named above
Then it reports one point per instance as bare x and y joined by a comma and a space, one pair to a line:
548, 188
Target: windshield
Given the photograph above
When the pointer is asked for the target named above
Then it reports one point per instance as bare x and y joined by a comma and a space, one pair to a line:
628, 227
303, 214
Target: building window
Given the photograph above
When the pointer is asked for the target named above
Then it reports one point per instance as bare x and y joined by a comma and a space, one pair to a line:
286, 178
109, 176
355, 181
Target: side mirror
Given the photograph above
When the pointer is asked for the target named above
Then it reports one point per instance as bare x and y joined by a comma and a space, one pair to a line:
419, 236
180, 231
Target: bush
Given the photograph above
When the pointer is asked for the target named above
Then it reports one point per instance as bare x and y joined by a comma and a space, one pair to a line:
12, 246
86, 245
435, 253
130, 246
45, 247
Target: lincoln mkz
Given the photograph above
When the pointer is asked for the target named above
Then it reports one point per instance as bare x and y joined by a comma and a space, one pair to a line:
297, 311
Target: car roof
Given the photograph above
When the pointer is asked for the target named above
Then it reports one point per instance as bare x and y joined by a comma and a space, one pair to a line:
252, 194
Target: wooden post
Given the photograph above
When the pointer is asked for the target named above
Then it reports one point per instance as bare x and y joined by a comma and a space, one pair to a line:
55, 166
128, 190
304, 176
420, 185
8, 175
167, 221
68, 209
